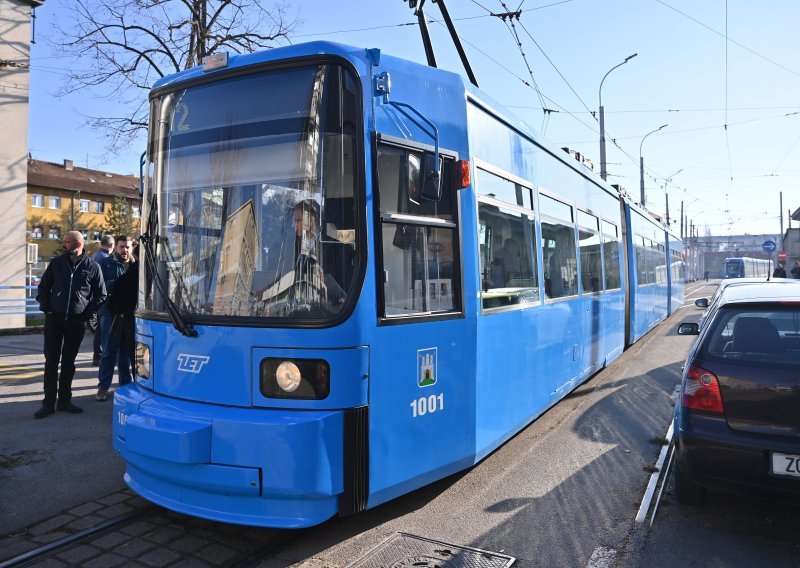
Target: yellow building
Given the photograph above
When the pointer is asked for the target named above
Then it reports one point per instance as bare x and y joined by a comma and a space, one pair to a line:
63, 197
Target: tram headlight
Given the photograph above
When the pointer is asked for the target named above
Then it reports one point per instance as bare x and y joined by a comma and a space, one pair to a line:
307, 379
142, 360
288, 376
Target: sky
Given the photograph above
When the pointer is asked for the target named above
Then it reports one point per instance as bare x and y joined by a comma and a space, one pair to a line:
722, 75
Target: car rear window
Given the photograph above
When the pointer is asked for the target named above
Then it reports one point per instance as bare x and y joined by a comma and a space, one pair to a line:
765, 336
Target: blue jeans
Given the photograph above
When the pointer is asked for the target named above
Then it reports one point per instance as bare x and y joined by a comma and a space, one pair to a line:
114, 354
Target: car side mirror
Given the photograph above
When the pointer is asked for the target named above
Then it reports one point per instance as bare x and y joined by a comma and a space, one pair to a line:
701, 302
689, 328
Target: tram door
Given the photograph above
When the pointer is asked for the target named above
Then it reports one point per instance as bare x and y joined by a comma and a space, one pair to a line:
421, 358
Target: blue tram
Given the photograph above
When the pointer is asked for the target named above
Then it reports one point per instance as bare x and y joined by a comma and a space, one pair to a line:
361, 275
744, 267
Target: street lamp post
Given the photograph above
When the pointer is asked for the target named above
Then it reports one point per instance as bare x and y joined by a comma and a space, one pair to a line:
641, 162
666, 194
603, 172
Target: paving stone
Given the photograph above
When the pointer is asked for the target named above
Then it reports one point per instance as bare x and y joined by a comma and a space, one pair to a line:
78, 554
134, 548
51, 536
85, 522
190, 562
12, 547
187, 544
106, 561
111, 540
159, 557
85, 509
50, 563
138, 529
217, 553
114, 498
165, 534
115, 510
51, 524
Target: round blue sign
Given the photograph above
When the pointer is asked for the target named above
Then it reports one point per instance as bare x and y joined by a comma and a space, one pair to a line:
769, 246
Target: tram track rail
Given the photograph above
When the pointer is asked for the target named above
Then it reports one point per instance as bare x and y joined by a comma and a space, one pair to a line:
77, 538
253, 555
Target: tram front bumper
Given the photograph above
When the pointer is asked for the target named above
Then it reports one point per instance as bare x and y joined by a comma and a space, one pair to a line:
273, 468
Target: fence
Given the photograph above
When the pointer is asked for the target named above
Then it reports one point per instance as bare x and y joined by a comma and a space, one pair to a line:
27, 306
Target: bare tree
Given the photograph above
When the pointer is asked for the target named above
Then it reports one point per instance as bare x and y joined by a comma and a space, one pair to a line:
124, 46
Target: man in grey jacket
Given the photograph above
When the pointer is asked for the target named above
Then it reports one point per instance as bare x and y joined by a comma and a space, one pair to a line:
71, 290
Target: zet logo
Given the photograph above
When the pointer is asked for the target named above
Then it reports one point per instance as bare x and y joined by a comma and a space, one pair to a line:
426, 367
191, 363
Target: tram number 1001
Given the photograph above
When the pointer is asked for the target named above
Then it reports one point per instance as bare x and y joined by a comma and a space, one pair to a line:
427, 405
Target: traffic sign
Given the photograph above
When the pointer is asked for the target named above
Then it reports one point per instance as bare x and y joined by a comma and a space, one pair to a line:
769, 246
781, 255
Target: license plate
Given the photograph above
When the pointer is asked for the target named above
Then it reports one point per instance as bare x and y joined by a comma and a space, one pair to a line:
787, 465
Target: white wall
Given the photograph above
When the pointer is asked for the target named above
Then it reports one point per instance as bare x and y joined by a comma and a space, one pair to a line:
15, 29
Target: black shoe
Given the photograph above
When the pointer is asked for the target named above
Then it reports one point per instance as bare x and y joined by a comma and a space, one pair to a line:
44, 411
69, 407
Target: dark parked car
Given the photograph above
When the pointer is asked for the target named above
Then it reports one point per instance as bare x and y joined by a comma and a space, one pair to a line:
710, 305
737, 424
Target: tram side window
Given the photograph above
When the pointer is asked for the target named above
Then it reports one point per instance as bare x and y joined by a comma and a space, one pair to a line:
558, 249
660, 261
419, 247
641, 260
507, 241
611, 255
589, 245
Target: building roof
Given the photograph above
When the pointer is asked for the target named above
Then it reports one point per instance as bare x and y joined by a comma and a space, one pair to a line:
71, 178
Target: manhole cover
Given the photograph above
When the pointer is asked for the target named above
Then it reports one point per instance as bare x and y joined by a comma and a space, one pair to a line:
403, 550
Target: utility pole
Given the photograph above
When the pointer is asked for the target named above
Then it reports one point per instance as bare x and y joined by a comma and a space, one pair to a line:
781, 215
681, 220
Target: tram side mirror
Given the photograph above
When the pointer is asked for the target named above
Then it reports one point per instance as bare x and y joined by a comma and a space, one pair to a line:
689, 328
431, 178
701, 302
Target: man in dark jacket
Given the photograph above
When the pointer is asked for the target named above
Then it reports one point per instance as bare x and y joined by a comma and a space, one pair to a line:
115, 353
71, 290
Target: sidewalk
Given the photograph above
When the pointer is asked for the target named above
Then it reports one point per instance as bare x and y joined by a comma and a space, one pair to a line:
58, 462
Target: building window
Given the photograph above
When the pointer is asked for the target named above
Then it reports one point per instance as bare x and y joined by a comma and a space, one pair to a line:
37, 200
137, 212
53, 234
37, 232
98, 206
84, 205
55, 202
97, 235
85, 233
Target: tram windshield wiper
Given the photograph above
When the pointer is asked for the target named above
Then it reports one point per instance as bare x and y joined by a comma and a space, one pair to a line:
149, 240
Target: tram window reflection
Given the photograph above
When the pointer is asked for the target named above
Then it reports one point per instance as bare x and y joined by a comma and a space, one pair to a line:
507, 241
560, 263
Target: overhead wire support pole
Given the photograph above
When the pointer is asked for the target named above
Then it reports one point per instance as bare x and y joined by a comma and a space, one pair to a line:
457, 41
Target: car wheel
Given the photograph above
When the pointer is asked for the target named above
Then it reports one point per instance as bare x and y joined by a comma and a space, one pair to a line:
687, 491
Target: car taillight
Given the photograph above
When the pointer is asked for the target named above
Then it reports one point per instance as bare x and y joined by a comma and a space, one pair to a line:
701, 390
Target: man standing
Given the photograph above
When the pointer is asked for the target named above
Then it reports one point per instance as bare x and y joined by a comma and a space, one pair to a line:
779, 272
796, 270
114, 351
70, 291
106, 246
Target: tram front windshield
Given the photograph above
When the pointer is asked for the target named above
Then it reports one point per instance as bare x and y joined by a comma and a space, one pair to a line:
250, 193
